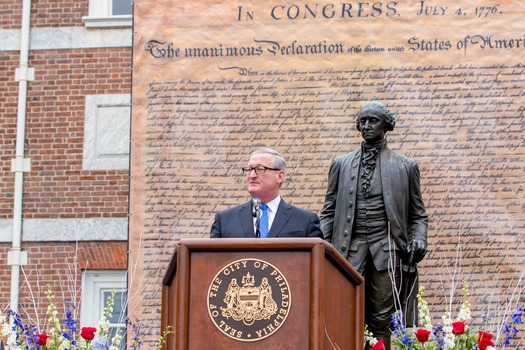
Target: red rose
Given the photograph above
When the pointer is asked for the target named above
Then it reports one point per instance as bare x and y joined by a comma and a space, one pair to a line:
458, 327
42, 339
484, 340
380, 345
422, 335
88, 333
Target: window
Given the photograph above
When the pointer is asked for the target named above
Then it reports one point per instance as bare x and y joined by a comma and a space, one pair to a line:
121, 7
109, 13
97, 287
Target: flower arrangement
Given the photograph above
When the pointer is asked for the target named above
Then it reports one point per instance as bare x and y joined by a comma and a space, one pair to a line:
497, 328
372, 341
453, 334
20, 335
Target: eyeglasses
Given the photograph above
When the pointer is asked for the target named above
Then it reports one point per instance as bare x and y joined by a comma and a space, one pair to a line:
258, 170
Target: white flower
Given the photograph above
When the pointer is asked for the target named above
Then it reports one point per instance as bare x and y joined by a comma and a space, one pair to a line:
464, 314
103, 325
369, 337
423, 312
66, 344
115, 342
6, 329
447, 330
11, 341
464, 311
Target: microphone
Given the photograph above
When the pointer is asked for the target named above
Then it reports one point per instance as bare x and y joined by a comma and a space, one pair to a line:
256, 204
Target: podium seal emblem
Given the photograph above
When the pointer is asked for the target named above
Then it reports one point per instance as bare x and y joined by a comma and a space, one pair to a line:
249, 300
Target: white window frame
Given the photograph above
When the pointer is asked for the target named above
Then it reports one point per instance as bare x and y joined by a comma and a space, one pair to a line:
100, 16
94, 284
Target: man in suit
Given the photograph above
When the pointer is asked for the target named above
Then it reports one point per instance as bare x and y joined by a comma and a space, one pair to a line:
375, 217
265, 173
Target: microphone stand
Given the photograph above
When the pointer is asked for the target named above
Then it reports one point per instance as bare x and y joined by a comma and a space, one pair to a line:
258, 224
256, 202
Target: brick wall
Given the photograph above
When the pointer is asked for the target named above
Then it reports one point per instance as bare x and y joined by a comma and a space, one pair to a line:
44, 13
59, 265
56, 186
8, 115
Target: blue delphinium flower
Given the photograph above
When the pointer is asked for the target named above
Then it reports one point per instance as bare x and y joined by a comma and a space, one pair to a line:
71, 323
137, 334
509, 329
19, 327
400, 329
484, 320
516, 316
395, 324
406, 341
438, 334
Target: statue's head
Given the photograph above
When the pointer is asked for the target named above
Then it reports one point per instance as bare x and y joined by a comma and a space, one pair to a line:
378, 109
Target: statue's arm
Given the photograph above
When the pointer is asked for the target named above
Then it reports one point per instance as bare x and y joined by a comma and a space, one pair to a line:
418, 218
328, 212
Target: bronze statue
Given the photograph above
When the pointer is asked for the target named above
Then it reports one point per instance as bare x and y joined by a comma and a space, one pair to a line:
375, 217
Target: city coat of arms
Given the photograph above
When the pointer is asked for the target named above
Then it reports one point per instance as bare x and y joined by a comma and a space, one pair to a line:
249, 300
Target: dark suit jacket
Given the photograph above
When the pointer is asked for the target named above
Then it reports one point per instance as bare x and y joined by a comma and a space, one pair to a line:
404, 206
289, 221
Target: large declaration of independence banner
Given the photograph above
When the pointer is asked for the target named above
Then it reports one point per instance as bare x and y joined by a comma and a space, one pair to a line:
215, 80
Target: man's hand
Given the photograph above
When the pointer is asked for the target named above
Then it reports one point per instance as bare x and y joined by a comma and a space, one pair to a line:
416, 251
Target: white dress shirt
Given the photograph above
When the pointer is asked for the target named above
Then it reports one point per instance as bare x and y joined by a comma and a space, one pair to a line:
273, 205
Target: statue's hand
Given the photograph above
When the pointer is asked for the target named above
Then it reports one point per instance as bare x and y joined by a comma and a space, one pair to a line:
416, 250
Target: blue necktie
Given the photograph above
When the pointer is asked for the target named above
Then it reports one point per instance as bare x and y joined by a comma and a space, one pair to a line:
263, 229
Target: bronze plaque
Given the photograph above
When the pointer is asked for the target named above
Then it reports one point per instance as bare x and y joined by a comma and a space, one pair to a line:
249, 300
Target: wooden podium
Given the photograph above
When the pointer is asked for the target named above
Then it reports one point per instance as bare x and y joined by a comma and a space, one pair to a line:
280, 293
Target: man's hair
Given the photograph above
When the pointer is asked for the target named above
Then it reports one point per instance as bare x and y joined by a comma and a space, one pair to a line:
278, 159
390, 119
